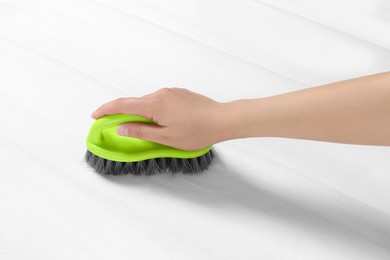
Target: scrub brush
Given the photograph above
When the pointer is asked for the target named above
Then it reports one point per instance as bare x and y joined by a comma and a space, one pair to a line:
112, 154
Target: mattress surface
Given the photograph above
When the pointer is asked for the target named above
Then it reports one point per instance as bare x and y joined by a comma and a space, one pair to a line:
262, 198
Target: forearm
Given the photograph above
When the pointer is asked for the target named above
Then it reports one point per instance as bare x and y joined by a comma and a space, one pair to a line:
353, 111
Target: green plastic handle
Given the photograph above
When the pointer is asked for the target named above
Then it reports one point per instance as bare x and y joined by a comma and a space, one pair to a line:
104, 142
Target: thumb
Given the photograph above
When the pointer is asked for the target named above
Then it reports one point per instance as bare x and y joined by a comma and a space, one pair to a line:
149, 132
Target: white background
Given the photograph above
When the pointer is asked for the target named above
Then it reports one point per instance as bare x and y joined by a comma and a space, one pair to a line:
263, 198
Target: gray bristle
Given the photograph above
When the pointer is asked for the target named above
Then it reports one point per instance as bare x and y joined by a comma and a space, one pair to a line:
151, 166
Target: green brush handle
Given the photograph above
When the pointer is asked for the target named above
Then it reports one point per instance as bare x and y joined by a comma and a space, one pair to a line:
105, 142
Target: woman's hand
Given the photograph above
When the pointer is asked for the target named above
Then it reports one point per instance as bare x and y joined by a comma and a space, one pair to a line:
184, 119
355, 111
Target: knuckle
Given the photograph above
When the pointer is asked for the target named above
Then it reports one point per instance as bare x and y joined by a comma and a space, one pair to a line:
165, 137
164, 134
164, 90
121, 99
180, 89
137, 131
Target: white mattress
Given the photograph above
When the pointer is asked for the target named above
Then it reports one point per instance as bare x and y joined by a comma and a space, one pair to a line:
264, 198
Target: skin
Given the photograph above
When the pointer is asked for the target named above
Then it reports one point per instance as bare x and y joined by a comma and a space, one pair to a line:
355, 111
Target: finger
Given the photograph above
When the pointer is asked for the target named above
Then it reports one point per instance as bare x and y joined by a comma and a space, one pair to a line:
134, 106
149, 132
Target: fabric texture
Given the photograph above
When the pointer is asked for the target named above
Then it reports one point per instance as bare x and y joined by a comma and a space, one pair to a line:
262, 198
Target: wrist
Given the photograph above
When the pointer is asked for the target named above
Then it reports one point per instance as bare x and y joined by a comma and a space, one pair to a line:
233, 120
248, 118
226, 121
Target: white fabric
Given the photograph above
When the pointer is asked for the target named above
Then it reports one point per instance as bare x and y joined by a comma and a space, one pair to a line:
264, 198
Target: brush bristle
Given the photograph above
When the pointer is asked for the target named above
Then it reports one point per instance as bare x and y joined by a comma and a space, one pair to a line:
151, 166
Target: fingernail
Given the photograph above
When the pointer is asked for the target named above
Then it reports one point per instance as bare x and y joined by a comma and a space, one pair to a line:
122, 130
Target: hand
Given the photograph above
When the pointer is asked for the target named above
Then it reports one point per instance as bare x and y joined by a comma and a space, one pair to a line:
355, 111
184, 119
